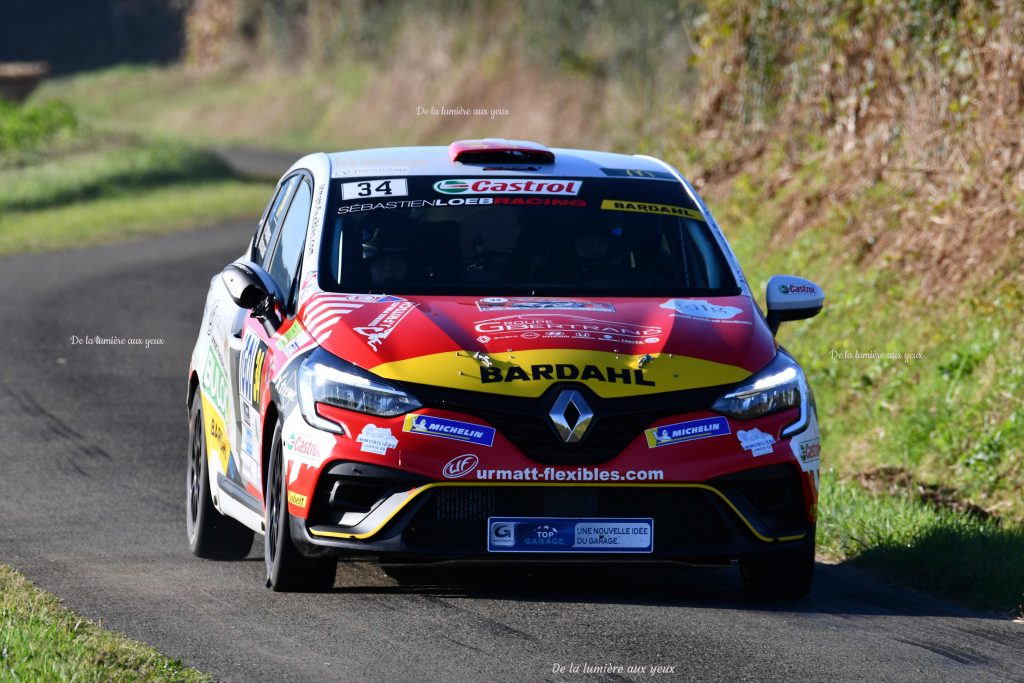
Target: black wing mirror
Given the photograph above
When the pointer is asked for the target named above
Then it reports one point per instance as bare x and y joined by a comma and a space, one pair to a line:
251, 288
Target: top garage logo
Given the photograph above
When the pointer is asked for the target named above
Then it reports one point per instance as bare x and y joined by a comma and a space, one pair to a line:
487, 186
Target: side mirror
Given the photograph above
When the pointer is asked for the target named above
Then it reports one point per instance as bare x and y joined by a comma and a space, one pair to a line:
251, 288
792, 298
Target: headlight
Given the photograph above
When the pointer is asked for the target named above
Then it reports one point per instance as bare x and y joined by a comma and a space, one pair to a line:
778, 386
323, 378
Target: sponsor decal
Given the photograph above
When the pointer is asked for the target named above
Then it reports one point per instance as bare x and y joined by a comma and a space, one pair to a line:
806, 445
797, 289
641, 207
297, 499
296, 445
362, 298
488, 186
250, 369
701, 309
564, 326
460, 466
559, 534
218, 451
215, 381
449, 429
314, 229
691, 430
637, 173
564, 372
352, 170
213, 318
755, 441
502, 534
810, 451
376, 439
415, 204
366, 189
526, 303
292, 332
588, 474
538, 201
381, 327
309, 282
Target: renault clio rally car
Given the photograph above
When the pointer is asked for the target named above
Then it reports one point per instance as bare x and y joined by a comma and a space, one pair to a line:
499, 351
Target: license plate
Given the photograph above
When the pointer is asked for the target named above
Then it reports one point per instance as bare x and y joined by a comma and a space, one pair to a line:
569, 535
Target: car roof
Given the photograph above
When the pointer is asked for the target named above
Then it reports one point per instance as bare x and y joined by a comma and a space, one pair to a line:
435, 161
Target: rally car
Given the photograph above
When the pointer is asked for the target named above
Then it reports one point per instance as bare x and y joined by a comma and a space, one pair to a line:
497, 351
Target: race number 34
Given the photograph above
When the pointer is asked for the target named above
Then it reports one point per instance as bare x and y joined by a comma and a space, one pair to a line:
364, 189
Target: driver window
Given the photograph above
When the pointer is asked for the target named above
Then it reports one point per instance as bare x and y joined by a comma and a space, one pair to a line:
262, 240
284, 264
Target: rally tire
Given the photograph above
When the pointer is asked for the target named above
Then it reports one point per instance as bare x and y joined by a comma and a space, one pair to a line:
287, 569
779, 575
211, 535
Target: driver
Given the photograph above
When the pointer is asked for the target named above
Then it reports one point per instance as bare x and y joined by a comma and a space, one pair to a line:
386, 251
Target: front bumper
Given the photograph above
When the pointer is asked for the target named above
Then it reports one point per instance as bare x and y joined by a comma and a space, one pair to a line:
380, 512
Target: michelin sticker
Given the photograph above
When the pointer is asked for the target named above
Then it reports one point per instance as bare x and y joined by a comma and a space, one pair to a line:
702, 309
680, 432
376, 439
466, 432
755, 441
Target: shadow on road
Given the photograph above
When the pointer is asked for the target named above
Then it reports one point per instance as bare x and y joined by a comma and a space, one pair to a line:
837, 590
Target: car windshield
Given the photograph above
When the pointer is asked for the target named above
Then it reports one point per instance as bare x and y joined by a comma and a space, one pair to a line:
519, 236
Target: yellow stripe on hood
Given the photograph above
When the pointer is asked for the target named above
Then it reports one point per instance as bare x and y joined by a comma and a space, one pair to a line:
530, 373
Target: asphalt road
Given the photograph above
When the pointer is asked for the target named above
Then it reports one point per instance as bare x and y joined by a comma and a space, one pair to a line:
92, 474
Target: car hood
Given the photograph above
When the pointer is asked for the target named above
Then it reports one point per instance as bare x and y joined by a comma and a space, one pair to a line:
521, 346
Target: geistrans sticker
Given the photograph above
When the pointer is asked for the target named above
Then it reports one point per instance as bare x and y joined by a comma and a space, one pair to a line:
643, 207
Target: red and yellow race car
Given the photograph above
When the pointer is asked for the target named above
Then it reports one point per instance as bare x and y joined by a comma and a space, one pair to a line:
499, 351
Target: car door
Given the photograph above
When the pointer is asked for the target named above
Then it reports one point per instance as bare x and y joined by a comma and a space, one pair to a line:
280, 249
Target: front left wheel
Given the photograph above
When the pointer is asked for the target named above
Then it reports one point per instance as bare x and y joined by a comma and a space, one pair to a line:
287, 569
211, 535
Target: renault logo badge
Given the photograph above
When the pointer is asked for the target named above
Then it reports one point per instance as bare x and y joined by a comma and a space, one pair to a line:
571, 416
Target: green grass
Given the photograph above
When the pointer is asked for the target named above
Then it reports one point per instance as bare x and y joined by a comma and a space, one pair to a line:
42, 641
30, 127
109, 191
312, 108
978, 562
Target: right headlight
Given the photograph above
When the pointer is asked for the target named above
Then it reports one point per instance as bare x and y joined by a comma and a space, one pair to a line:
779, 386
326, 379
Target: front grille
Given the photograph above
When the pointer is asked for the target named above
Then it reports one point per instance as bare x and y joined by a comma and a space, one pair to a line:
685, 520
525, 421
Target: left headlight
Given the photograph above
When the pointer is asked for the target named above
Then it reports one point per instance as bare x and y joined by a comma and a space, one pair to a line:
779, 386
324, 378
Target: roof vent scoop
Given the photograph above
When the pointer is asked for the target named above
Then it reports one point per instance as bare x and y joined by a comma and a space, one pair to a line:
498, 151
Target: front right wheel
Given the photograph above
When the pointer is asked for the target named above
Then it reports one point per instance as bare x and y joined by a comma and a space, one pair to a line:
287, 569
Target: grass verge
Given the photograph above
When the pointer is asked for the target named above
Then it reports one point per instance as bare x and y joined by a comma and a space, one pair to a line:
976, 561
107, 192
42, 641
